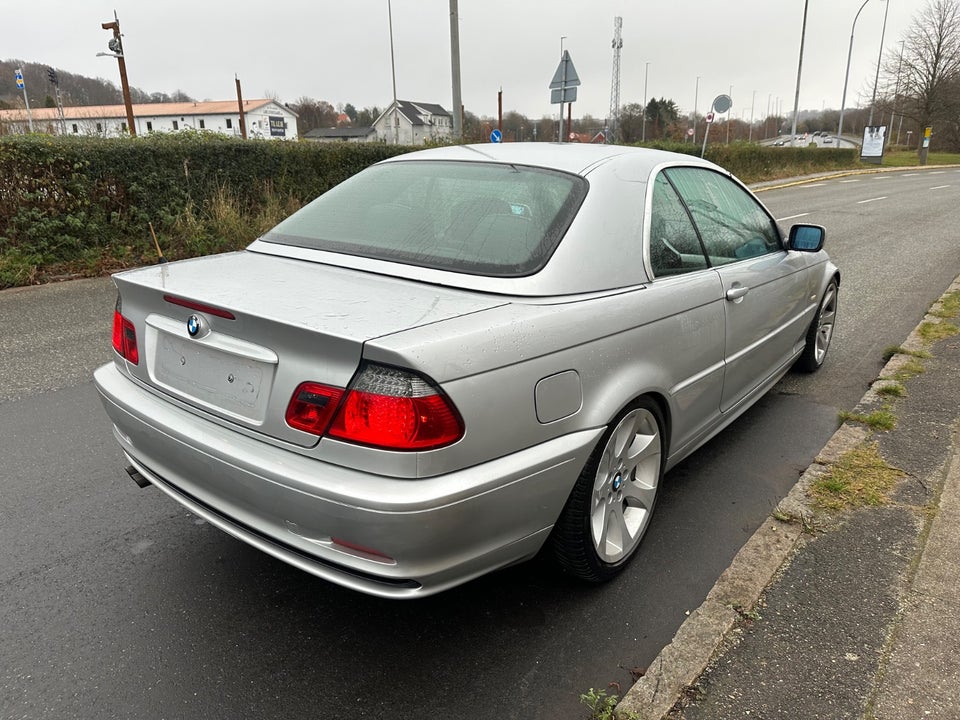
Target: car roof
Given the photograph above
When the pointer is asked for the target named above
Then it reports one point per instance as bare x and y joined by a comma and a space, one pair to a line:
576, 158
602, 249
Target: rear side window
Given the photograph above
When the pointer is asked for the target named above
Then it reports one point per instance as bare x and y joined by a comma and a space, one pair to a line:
674, 245
732, 224
476, 218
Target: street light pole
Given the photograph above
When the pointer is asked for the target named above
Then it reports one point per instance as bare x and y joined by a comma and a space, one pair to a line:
455, 71
728, 116
896, 93
696, 94
846, 75
796, 97
393, 76
876, 80
643, 126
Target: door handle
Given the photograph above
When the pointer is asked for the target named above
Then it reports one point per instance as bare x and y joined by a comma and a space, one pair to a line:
737, 292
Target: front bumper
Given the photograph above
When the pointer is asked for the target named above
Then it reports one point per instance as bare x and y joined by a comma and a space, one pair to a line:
433, 533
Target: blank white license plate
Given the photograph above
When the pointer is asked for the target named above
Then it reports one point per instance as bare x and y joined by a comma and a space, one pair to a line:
212, 376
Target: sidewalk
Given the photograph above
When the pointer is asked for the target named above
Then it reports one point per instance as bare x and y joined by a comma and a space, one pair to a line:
853, 614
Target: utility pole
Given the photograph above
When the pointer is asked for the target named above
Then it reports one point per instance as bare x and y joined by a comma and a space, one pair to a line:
116, 50
243, 120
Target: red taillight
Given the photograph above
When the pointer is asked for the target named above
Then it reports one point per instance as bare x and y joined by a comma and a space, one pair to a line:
396, 410
312, 406
384, 407
125, 337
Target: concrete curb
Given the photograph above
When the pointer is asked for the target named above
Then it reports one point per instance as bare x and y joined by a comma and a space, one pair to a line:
737, 590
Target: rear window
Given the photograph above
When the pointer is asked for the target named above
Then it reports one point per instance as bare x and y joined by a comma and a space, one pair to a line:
476, 218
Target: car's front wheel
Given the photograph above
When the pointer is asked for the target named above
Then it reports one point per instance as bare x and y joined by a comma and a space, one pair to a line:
609, 510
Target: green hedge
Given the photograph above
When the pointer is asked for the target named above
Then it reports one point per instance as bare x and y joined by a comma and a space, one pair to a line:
83, 205
755, 163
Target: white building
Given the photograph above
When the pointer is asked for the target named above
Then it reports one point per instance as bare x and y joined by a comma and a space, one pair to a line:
413, 123
266, 119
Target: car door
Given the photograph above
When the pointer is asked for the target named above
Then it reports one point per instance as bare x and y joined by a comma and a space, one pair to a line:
693, 305
765, 287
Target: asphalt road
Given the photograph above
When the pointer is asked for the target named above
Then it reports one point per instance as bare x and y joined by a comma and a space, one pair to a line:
114, 602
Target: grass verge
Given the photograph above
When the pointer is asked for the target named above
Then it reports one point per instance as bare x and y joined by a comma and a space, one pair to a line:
859, 478
882, 419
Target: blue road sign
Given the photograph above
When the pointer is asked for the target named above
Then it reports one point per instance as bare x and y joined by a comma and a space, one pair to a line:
496, 136
19, 77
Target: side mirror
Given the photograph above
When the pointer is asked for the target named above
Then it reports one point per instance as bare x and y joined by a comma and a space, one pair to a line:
807, 238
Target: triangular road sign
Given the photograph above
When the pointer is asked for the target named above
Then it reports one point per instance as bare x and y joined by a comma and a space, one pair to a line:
566, 74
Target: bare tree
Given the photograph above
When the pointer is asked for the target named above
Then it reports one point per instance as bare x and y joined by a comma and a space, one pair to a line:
921, 83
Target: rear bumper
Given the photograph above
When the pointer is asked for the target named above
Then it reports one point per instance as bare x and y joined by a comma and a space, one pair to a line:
435, 533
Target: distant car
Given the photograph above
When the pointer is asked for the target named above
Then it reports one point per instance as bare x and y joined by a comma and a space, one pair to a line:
827, 140
463, 355
780, 143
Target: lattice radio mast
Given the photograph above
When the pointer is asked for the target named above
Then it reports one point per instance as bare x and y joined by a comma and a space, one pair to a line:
615, 82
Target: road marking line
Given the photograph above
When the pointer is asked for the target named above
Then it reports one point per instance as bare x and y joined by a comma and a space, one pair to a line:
909, 174
861, 202
850, 181
880, 177
814, 185
936, 172
939, 187
792, 217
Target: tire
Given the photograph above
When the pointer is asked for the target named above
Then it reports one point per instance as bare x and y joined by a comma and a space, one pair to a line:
821, 332
609, 509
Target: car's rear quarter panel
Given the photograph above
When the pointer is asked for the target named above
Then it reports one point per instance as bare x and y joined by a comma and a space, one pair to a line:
663, 339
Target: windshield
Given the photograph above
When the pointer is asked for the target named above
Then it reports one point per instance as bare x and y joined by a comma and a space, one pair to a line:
476, 218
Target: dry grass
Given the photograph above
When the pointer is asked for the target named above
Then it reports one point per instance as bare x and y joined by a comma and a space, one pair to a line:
860, 478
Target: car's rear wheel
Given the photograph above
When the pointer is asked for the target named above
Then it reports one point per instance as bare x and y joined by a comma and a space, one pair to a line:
821, 331
609, 510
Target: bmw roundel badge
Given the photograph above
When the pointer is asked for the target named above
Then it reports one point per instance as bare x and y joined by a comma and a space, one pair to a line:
193, 326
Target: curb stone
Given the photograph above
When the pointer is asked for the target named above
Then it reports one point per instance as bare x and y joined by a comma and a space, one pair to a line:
738, 588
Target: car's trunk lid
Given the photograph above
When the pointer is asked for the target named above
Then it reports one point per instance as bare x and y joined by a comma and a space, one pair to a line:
267, 324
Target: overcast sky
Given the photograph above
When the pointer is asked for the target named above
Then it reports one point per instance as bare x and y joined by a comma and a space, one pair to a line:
340, 51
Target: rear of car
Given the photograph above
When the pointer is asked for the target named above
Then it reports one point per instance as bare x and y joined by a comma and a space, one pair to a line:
277, 398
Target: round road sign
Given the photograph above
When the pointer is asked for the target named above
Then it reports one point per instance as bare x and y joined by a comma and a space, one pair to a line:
722, 103
496, 136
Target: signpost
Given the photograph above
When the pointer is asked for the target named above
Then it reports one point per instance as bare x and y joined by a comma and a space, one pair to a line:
721, 104
22, 86
563, 87
925, 145
496, 136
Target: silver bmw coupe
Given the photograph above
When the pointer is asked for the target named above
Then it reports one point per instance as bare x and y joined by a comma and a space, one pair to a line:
463, 356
